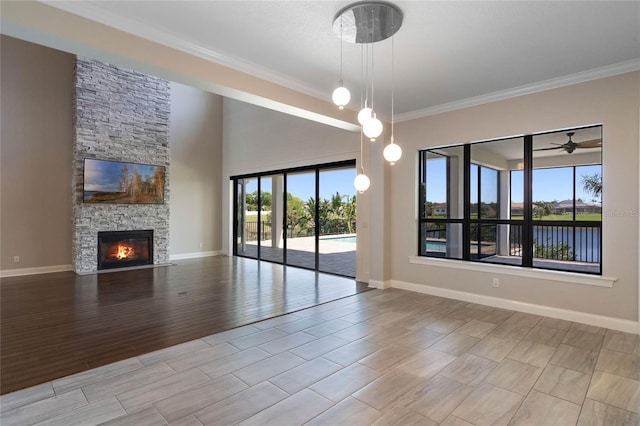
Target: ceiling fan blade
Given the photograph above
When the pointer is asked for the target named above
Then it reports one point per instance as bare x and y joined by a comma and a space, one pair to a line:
595, 143
561, 147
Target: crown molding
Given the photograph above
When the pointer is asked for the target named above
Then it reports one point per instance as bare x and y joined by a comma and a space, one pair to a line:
162, 36
98, 14
554, 83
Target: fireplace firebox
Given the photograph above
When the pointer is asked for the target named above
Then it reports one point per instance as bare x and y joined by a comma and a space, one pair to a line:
123, 249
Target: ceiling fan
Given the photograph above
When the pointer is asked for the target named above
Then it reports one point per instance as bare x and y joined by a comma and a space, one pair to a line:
571, 146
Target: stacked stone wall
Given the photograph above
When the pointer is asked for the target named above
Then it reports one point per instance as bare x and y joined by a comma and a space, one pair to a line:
120, 115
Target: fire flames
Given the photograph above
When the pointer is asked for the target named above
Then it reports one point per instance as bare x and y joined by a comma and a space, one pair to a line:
124, 252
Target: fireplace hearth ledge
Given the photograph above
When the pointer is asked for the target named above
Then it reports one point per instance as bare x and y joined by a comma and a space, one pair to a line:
128, 268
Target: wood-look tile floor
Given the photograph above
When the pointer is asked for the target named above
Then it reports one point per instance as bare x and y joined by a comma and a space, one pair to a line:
380, 357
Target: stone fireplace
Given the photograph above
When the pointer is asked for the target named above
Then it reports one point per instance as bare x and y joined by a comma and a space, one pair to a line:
120, 115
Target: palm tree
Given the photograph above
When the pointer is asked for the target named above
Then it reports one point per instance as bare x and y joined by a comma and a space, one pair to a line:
592, 184
350, 213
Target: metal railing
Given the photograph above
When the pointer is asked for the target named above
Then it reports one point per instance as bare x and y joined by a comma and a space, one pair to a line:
251, 231
577, 243
300, 229
574, 242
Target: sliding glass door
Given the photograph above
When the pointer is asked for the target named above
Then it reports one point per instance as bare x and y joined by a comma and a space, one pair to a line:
337, 222
271, 218
246, 214
301, 223
303, 217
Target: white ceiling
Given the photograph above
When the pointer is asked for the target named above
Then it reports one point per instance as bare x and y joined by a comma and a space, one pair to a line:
447, 54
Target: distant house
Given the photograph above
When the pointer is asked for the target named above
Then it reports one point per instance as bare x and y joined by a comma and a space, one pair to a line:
517, 209
440, 209
566, 207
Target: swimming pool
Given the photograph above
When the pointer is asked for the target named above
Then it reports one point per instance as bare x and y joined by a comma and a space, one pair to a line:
440, 246
346, 239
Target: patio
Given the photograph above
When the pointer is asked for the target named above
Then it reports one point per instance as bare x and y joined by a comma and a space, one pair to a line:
335, 256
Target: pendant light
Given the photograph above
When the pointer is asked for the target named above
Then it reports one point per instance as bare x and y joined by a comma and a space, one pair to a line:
341, 96
361, 182
367, 23
365, 112
392, 152
372, 127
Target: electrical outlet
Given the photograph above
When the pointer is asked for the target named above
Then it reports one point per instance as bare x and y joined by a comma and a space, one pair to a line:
496, 282
16, 259
201, 245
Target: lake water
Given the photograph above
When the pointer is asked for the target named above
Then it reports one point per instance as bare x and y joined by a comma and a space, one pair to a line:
586, 245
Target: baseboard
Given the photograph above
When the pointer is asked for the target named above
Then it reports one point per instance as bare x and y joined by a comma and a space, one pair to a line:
33, 271
196, 255
626, 326
380, 285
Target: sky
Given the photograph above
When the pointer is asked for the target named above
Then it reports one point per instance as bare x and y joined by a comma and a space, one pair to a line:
302, 185
554, 184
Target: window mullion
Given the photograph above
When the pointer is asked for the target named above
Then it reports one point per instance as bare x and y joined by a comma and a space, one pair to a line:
317, 217
466, 223
479, 214
573, 228
422, 197
527, 223
285, 222
259, 208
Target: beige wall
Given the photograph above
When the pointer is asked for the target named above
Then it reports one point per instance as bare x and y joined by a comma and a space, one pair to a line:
258, 139
35, 154
35, 151
195, 172
614, 102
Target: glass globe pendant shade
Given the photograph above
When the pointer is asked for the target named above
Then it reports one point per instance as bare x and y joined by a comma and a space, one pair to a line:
372, 128
365, 115
341, 96
361, 183
392, 153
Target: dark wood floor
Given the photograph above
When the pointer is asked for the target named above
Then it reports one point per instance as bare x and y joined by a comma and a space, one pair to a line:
58, 324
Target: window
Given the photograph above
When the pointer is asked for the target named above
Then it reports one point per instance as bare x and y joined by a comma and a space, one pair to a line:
533, 201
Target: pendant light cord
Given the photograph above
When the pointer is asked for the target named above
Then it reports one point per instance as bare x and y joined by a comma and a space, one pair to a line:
366, 71
362, 98
341, 43
371, 43
361, 157
392, 75
372, 78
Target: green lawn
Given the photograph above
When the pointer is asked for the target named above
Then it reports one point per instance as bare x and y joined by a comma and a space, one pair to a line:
266, 217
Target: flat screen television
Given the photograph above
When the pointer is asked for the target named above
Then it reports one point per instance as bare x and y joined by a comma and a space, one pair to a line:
116, 182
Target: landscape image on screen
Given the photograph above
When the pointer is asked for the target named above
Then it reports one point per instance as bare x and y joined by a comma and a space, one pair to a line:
122, 183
